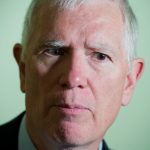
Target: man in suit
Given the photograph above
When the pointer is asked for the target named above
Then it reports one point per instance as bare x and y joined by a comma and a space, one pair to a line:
77, 68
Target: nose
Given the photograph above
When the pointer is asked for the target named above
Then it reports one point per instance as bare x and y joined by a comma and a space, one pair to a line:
74, 73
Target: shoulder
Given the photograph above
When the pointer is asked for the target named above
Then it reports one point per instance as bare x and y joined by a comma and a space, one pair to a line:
9, 132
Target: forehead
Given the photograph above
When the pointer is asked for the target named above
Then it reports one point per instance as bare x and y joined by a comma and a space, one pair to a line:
80, 13
88, 17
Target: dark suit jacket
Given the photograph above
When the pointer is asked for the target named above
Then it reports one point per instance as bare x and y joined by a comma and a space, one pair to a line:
9, 134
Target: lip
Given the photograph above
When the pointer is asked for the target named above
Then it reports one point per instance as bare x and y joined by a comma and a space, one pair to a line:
71, 109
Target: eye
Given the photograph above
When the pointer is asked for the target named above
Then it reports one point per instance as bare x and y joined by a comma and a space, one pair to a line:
98, 56
54, 51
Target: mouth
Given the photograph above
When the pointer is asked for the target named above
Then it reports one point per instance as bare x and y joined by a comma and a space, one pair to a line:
71, 109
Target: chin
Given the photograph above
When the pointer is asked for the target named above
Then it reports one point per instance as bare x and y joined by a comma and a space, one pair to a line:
71, 134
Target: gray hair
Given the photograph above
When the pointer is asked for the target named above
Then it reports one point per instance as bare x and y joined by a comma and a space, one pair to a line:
130, 22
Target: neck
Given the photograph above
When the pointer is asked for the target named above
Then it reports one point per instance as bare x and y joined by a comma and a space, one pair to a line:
51, 145
73, 147
45, 143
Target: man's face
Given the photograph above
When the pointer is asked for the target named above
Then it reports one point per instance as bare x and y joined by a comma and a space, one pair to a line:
75, 73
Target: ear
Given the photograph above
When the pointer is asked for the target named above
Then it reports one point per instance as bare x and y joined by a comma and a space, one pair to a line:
131, 80
17, 51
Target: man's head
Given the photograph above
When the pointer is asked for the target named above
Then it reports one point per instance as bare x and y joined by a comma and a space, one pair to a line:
75, 70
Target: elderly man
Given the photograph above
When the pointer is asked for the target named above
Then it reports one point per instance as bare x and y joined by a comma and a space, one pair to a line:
77, 68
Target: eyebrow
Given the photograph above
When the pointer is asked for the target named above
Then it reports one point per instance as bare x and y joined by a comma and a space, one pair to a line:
99, 46
103, 47
55, 43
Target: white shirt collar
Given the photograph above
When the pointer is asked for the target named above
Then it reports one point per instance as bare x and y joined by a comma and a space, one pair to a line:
25, 142
100, 146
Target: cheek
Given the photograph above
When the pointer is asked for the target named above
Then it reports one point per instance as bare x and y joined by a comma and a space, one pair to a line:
109, 85
108, 91
37, 75
41, 79
34, 88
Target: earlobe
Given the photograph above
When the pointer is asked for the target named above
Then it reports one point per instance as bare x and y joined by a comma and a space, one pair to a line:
131, 79
17, 51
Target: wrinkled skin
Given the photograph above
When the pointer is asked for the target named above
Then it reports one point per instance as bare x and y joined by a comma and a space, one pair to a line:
74, 90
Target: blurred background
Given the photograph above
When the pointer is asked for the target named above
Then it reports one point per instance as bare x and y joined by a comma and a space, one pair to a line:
131, 130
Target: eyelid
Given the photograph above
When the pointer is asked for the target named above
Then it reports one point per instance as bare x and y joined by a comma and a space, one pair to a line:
100, 50
107, 51
54, 50
108, 56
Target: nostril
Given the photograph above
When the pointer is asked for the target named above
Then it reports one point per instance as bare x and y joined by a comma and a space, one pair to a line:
80, 86
69, 86
64, 85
